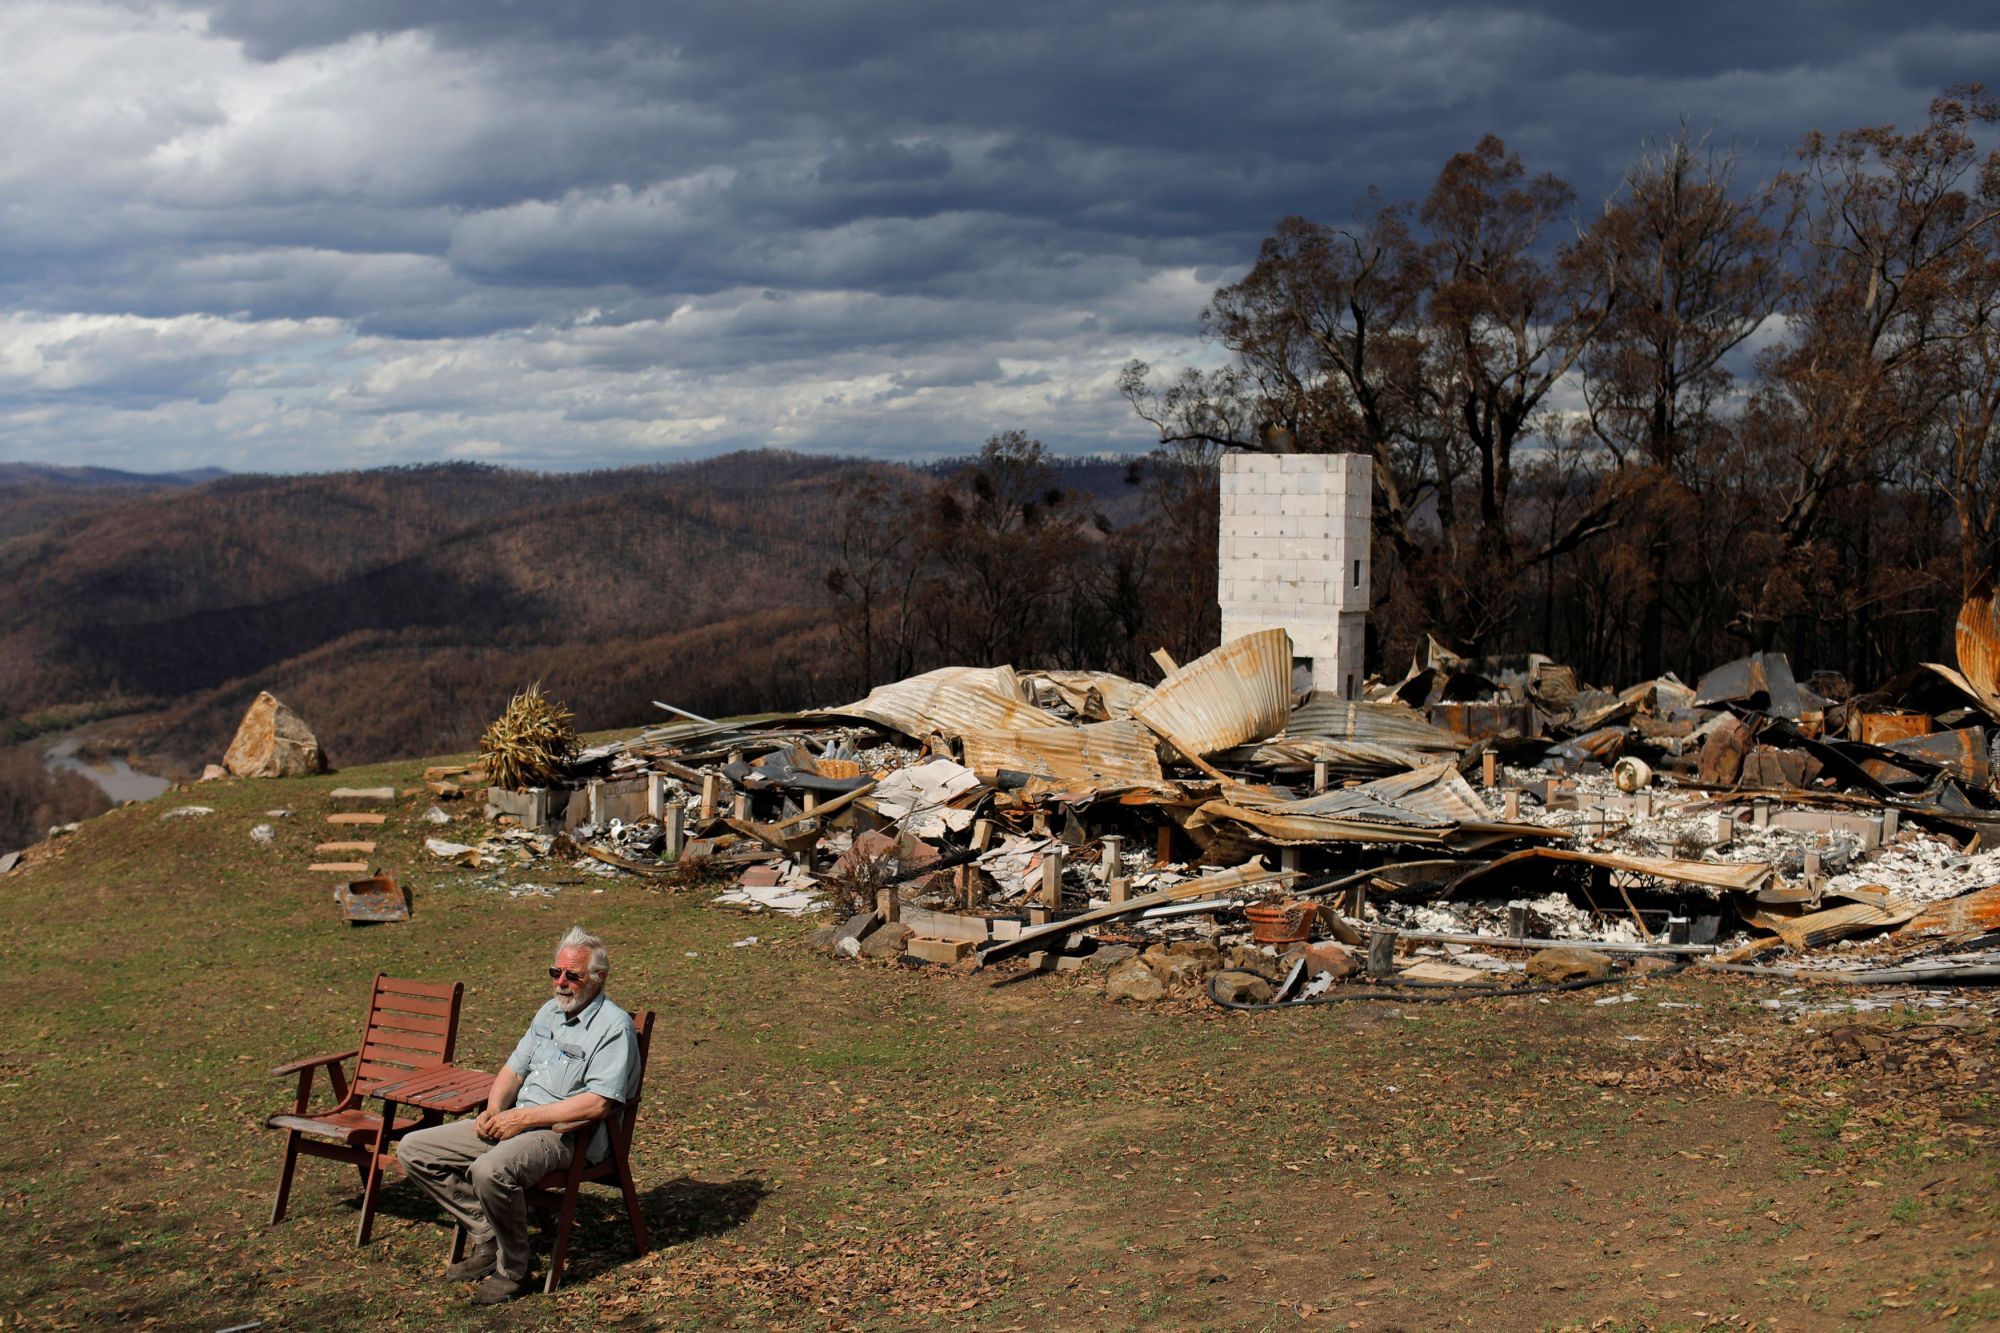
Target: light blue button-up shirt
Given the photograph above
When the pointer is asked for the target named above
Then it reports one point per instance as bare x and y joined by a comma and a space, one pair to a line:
559, 1056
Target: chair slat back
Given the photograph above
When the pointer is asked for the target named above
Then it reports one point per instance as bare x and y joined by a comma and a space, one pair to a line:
629, 1113
412, 1025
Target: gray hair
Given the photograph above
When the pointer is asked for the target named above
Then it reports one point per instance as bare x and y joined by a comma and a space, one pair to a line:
579, 938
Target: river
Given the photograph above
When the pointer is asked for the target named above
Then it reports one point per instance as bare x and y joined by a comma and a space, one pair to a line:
118, 779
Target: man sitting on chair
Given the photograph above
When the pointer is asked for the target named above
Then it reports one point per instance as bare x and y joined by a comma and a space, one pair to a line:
577, 1062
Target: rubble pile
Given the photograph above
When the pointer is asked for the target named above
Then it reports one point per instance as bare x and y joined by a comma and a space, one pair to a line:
1478, 827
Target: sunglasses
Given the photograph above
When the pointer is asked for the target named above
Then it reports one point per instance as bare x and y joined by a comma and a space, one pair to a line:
563, 973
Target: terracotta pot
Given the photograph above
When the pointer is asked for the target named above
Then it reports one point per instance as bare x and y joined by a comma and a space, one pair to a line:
1274, 924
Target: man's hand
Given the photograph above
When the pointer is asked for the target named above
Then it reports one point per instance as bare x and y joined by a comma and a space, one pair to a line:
499, 1126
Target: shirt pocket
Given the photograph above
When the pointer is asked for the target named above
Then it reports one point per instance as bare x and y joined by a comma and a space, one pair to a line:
566, 1070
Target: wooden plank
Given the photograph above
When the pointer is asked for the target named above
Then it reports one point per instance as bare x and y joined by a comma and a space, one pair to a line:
845, 798
340, 867
365, 848
363, 794
357, 819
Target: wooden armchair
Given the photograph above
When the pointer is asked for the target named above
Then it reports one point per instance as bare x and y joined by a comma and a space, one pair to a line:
411, 1025
557, 1191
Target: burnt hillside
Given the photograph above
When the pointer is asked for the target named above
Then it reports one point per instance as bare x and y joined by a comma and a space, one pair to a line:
398, 608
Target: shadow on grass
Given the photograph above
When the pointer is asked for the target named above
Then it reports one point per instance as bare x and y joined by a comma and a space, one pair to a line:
686, 1209
677, 1211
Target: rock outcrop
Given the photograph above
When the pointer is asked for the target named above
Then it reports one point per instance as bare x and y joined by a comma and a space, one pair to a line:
273, 742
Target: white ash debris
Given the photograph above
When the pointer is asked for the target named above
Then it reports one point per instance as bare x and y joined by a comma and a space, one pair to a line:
1551, 916
1924, 868
1919, 865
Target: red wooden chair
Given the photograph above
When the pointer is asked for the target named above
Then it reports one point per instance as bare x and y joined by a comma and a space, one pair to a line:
411, 1025
557, 1191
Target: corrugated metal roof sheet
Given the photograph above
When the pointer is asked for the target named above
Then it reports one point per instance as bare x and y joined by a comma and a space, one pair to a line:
1432, 804
1432, 795
950, 701
1240, 692
1345, 757
1109, 756
1395, 724
1096, 696
1979, 645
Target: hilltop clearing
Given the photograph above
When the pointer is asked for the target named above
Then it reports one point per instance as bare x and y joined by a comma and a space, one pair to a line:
871, 1146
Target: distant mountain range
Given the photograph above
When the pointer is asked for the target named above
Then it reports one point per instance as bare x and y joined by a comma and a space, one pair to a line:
398, 609
86, 478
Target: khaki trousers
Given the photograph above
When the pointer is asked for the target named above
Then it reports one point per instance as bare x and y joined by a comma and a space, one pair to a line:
482, 1184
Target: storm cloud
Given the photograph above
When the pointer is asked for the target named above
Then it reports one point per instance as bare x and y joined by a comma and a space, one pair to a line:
265, 235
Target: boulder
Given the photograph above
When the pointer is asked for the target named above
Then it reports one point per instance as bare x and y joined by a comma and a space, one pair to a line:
1241, 988
887, 941
1250, 956
1183, 976
1567, 963
1133, 981
273, 742
1202, 951
1109, 956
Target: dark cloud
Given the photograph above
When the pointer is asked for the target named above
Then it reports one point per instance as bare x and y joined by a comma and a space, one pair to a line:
568, 234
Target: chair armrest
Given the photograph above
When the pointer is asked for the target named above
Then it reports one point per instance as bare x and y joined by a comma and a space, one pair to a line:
315, 1061
572, 1126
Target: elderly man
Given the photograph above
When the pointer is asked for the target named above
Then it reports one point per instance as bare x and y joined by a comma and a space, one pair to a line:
577, 1062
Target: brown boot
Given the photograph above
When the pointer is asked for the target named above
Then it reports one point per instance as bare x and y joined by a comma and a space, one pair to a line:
498, 1290
475, 1265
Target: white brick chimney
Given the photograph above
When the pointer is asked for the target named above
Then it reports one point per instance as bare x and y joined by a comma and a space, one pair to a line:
1294, 556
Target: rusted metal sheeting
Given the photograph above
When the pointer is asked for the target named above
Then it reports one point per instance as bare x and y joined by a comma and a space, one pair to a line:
950, 701
1816, 929
1735, 876
1388, 724
1963, 917
1431, 805
1979, 644
1096, 696
1434, 794
1240, 692
1279, 828
1346, 757
377, 898
1888, 728
1108, 756
1963, 751
1480, 721
1762, 681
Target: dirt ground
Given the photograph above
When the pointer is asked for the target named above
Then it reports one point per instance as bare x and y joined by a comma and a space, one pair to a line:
877, 1146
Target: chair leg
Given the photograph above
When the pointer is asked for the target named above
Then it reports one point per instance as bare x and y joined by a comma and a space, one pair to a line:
369, 1191
291, 1159
457, 1245
642, 1240
565, 1223
371, 1180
